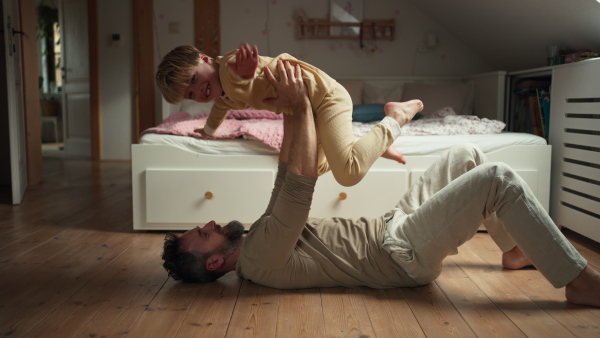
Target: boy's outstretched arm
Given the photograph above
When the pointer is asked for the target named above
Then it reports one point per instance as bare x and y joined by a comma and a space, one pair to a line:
246, 61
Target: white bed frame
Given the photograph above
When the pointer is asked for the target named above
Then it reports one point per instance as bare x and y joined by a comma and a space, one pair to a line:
176, 189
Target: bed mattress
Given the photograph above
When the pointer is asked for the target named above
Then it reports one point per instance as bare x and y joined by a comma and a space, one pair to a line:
407, 145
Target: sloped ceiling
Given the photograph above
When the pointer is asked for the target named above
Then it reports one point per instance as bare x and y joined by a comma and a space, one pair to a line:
513, 34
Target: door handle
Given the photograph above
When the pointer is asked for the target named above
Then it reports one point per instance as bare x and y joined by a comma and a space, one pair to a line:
18, 32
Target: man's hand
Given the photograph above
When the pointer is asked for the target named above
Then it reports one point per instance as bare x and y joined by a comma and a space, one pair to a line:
291, 92
290, 87
246, 61
299, 146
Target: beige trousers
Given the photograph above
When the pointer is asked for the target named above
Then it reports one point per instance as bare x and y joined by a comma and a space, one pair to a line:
348, 160
446, 206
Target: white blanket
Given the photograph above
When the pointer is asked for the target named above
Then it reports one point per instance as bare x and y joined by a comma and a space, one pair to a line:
442, 122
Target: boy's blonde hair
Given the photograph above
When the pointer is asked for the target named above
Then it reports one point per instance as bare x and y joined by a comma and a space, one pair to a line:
173, 74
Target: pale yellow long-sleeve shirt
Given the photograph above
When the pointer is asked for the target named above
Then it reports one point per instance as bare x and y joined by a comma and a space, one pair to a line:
250, 93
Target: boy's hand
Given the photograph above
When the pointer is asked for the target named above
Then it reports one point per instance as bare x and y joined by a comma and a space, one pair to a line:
203, 133
290, 87
246, 61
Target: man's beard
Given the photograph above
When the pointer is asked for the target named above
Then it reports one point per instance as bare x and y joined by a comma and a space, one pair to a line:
233, 233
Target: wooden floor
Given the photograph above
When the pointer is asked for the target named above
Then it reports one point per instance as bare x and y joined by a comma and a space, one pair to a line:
70, 265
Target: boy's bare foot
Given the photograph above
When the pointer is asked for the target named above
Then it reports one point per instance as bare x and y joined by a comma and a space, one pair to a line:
515, 259
392, 154
403, 112
585, 288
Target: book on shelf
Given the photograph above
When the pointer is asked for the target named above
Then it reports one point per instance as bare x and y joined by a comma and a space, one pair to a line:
544, 99
537, 124
531, 108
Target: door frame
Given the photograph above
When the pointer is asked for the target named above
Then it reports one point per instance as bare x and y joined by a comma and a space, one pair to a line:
31, 93
144, 106
95, 112
14, 84
30, 77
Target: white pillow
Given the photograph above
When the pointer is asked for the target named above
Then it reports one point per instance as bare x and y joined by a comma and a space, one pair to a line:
355, 89
382, 93
459, 97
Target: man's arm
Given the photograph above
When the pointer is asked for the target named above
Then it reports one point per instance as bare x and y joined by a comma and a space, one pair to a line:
292, 93
292, 197
298, 129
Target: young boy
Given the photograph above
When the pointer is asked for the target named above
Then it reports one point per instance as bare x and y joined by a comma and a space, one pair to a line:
237, 80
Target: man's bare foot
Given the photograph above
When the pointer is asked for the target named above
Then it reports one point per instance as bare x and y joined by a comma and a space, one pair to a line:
515, 259
585, 288
392, 154
403, 112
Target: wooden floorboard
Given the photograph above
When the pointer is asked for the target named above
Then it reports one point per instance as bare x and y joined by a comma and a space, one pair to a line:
390, 314
255, 312
578, 320
211, 312
71, 266
479, 312
435, 312
300, 314
345, 313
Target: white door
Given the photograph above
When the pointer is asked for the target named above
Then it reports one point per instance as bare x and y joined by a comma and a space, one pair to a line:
16, 115
76, 77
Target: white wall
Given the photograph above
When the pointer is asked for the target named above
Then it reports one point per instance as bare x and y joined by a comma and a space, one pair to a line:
167, 13
116, 78
271, 26
513, 34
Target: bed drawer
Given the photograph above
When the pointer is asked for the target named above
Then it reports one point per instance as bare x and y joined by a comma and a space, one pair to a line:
376, 194
195, 196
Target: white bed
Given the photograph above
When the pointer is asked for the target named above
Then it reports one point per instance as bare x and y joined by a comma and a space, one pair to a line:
180, 182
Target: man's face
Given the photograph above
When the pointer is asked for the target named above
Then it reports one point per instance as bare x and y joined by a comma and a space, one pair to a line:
212, 238
204, 84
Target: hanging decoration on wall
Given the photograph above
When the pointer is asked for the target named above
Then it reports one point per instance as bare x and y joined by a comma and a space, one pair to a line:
373, 43
349, 11
355, 28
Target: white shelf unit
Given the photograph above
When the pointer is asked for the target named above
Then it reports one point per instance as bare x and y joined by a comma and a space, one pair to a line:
575, 140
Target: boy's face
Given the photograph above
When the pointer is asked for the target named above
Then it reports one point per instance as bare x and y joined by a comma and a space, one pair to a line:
204, 84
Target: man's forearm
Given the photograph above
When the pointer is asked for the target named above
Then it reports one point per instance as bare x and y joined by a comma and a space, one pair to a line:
303, 149
299, 148
279, 179
288, 135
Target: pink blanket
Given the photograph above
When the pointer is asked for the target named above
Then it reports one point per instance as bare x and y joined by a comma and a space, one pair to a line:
262, 125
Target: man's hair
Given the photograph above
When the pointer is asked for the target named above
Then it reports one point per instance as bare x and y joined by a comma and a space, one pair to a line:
189, 267
173, 74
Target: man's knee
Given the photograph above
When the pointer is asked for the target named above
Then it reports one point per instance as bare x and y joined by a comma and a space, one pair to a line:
504, 170
466, 149
467, 153
505, 174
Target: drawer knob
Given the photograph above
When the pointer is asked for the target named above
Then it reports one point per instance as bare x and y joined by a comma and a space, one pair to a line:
343, 196
208, 195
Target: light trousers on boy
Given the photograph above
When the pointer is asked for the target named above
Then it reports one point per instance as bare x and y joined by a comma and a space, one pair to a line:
446, 206
348, 159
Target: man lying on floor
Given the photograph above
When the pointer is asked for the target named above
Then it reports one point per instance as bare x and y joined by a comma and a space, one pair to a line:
403, 248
